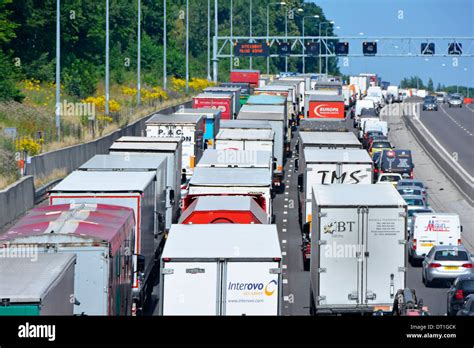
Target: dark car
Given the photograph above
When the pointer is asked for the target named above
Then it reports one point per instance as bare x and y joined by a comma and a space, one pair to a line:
396, 161
370, 135
461, 288
467, 308
430, 103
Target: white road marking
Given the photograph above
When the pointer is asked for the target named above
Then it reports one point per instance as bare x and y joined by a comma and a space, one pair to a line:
457, 123
283, 230
284, 266
286, 298
287, 193
285, 212
289, 175
285, 281
283, 241
286, 199
283, 253
285, 220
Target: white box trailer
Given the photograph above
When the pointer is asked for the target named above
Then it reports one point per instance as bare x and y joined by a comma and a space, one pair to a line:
139, 163
245, 124
188, 127
254, 182
210, 270
172, 148
327, 140
102, 238
39, 285
328, 166
358, 259
238, 139
134, 190
275, 116
212, 158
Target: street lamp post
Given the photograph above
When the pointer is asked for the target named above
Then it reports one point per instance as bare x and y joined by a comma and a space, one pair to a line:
139, 39
187, 46
107, 70
209, 40
231, 31
165, 80
58, 69
268, 27
320, 44
304, 56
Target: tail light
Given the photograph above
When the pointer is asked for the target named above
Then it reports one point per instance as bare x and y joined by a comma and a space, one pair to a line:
376, 170
467, 265
414, 244
459, 241
435, 265
412, 175
459, 295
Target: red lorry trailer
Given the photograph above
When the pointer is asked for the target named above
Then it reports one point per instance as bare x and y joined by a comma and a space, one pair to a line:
222, 101
245, 76
224, 210
326, 106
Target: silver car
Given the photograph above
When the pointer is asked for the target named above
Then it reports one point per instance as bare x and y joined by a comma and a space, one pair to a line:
455, 100
446, 263
412, 190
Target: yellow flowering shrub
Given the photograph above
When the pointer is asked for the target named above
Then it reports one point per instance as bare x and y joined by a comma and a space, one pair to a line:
99, 103
29, 145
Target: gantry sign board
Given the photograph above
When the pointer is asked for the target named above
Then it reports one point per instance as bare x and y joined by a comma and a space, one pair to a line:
251, 49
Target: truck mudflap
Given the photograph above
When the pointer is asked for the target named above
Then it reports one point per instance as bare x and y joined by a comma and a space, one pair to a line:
306, 251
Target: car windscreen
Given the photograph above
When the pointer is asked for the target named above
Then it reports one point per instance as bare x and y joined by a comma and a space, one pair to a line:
411, 183
467, 285
390, 178
381, 145
451, 255
414, 201
411, 212
430, 99
409, 191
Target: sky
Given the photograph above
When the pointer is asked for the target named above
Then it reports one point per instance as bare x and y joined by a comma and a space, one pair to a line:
417, 18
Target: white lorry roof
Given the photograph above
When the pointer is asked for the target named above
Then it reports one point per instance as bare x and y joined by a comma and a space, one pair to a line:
262, 112
215, 95
239, 134
231, 177
245, 124
357, 195
88, 181
210, 113
336, 138
24, 280
326, 97
312, 155
145, 146
174, 119
123, 161
130, 139
244, 158
252, 241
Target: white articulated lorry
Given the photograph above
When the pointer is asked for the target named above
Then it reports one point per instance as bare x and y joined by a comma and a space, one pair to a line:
358, 260
211, 270
188, 127
325, 166
172, 148
134, 190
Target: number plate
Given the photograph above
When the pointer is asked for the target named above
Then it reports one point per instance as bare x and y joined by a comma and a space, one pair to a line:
451, 267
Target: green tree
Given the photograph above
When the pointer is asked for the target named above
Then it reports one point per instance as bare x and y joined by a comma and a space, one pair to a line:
430, 85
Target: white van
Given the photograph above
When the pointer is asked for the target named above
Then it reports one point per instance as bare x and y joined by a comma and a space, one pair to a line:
363, 104
428, 230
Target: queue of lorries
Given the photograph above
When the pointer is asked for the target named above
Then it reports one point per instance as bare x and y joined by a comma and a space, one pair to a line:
151, 211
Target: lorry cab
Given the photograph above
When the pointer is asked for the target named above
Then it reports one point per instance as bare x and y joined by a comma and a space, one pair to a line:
432, 229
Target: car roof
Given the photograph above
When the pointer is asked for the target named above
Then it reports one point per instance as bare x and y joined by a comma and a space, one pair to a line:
450, 247
466, 277
411, 180
409, 187
413, 196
